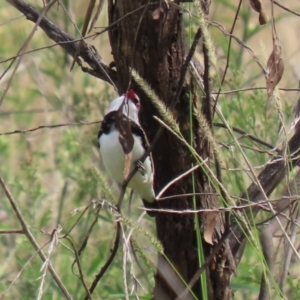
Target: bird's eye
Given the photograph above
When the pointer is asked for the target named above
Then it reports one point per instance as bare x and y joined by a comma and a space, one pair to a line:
136, 102
131, 95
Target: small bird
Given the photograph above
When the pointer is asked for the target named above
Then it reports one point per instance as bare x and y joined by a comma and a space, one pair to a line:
120, 135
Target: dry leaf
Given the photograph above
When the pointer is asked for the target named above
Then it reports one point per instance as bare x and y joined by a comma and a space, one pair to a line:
128, 159
263, 18
125, 137
275, 68
256, 5
210, 223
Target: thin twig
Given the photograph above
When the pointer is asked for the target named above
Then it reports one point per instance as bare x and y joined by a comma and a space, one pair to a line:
261, 204
125, 249
240, 42
45, 267
89, 231
88, 54
245, 134
285, 8
32, 240
13, 281
87, 18
12, 231
250, 89
122, 18
115, 248
108, 262
23, 49
17, 131
193, 169
228, 53
77, 259
78, 219
45, 47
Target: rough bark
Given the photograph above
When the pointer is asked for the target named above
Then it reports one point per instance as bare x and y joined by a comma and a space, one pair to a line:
158, 57
155, 48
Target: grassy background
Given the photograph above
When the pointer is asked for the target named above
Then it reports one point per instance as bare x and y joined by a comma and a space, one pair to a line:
50, 172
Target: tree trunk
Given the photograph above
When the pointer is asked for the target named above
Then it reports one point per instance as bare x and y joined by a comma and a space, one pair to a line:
151, 40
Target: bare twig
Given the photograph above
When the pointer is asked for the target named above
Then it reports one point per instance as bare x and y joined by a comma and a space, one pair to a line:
177, 179
89, 231
87, 18
261, 204
285, 8
12, 231
250, 89
48, 127
81, 215
20, 272
32, 240
120, 19
269, 178
239, 41
77, 259
43, 48
245, 134
23, 49
228, 53
45, 267
87, 53
108, 262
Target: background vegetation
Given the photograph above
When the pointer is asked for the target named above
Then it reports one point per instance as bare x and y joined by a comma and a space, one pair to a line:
51, 172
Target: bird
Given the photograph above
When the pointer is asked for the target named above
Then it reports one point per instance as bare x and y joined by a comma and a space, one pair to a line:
121, 134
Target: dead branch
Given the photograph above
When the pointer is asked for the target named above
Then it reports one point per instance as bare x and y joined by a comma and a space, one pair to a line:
269, 179
32, 240
87, 53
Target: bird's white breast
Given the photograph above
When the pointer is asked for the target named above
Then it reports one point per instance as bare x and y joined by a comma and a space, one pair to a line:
113, 159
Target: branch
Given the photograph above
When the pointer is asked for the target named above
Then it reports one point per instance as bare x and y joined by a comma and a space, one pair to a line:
247, 135
110, 259
12, 231
269, 179
17, 131
87, 53
32, 240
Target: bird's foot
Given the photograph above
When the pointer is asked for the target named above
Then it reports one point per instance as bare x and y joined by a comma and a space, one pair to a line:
140, 166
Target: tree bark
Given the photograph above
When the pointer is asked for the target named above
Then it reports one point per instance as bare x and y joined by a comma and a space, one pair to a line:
152, 42
154, 45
